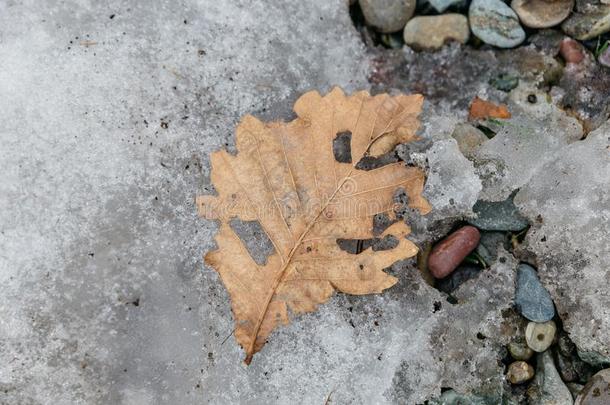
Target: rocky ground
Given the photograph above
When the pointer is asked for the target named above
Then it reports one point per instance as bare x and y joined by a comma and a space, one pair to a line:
110, 112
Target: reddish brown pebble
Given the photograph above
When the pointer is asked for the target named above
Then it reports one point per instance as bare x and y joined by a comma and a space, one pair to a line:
449, 253
571, 50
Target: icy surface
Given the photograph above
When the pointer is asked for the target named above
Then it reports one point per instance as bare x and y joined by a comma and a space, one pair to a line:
569, 204
523, 144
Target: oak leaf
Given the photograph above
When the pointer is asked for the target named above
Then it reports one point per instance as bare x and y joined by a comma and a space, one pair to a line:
286, 176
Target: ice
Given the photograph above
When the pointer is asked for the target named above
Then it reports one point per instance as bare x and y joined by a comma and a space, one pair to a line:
569, 204
524, 143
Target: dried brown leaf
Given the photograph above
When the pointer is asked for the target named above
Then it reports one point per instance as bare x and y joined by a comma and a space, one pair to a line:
286, 177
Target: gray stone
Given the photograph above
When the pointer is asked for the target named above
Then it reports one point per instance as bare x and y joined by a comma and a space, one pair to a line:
596, 391
442, 5
591, 19
387, 15
498, 216
532, 300
495, 23
547, 388
570, 211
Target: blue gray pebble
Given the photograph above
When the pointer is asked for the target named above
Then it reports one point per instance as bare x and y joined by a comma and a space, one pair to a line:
532, 300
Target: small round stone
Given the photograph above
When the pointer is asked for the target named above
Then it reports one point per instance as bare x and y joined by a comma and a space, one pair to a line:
539, 336
432, 32
387, 15
519, 372
449, 253
542, 13
495, 23
519, 350
597, 390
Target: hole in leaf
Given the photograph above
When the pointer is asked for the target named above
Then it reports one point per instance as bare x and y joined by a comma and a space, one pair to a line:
375, 162
342, 147
254, 238
381, 222
356, 246
386, 243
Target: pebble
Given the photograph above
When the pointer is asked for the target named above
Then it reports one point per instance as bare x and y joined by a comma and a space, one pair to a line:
519, 350
387, 15
542, 13
449, 253
596, 391
591, 19
504, 82
519, 372
432, 32
495, 23
532, 300
548, 389
539, 336
498, 216
571, 51
468, 137
442, 5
